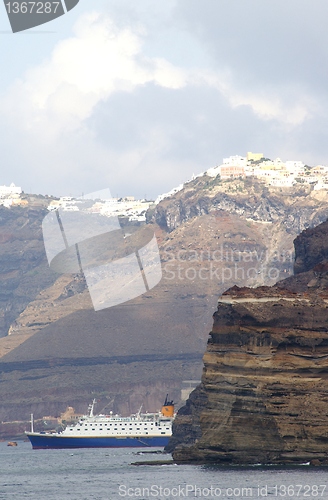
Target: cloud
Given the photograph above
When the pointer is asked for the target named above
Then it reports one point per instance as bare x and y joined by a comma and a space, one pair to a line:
273, 53
47, 109
98, 61
119, 105
272, 41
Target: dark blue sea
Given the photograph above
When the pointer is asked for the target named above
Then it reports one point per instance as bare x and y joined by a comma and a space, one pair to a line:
107, 474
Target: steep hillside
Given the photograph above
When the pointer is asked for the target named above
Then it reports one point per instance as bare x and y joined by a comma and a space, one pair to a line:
24, 270
57, 350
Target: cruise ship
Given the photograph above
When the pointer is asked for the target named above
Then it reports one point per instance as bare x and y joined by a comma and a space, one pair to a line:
110, 431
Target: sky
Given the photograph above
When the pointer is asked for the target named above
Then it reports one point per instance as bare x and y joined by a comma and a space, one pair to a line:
139, 96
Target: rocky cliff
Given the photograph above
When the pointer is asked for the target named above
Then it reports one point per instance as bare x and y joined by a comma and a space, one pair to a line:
57, 351
295, 208
264, 391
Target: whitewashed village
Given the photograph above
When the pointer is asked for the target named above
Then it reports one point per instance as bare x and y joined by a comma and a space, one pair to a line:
134, 210
272, 172
276, 173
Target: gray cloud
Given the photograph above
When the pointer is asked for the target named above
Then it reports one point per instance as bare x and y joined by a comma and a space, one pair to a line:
263, 41
140, 100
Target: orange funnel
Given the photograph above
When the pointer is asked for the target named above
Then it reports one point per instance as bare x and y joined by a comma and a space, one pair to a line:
168, 408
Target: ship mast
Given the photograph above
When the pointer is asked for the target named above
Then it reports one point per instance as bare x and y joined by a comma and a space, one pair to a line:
91, 407
139, 411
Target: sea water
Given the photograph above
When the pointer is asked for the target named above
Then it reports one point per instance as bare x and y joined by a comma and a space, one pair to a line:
107, 474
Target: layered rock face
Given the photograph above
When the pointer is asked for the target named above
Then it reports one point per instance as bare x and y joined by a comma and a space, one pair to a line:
264, 391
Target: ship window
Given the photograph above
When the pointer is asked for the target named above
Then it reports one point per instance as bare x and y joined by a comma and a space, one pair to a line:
146, 432
138, 428
162, 432
93, 429
78, 429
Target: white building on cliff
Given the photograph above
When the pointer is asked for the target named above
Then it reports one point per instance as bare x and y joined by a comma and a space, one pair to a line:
11, 191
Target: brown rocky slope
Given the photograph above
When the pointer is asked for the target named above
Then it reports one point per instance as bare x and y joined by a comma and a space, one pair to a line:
264, 391
57, 351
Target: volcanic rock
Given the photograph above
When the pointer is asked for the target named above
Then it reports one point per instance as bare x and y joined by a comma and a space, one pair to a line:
264, 389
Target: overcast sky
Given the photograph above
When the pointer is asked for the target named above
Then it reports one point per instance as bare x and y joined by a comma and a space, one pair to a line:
137, 96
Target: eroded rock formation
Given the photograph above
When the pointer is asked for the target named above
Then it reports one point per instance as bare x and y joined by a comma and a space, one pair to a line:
264, 391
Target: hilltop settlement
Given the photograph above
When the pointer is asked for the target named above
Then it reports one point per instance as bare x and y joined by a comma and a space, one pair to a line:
275, 173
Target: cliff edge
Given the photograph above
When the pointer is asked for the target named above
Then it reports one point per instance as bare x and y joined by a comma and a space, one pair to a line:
264, 391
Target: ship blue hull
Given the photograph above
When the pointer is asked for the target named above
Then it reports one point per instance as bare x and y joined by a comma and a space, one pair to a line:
62, 442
